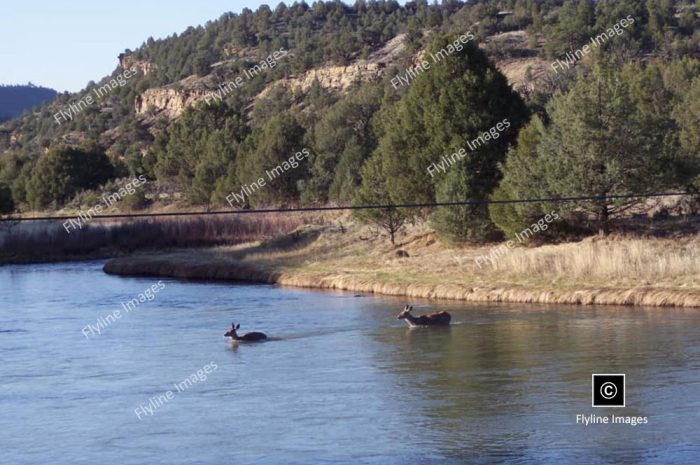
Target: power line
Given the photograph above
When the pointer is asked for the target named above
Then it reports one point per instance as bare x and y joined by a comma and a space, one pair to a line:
357, 207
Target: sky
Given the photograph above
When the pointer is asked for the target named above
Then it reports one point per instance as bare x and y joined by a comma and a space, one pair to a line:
63, 44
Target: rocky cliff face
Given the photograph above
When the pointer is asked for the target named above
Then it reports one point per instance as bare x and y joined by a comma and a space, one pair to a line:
341, 78
127, 61
170, 101
167, 102
335, 78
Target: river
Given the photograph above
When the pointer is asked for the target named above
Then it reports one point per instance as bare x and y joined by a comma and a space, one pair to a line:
341, 381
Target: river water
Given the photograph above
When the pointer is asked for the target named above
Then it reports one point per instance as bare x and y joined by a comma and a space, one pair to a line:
342, 381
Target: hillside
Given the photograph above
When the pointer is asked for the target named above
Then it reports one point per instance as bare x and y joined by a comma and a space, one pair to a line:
15, 99
202, 114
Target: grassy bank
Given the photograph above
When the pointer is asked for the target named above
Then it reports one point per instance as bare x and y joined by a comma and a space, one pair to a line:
615, 271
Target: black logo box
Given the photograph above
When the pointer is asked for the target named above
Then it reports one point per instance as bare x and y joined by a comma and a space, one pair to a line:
608, 390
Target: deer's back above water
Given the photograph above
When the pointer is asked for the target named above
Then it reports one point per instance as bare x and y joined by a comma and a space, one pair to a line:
248, 337
431, 319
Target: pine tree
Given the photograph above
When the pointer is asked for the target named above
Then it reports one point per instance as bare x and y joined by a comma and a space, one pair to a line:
373, 191
523, 178
196, 150
342, 139
64, 171
688, 115
267, 148
461, 97
596, 145
7, 204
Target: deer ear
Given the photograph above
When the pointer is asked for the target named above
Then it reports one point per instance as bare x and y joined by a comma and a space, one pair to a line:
238, 326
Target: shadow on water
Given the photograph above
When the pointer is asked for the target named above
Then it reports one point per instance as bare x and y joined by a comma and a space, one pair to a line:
235, 343
293, 337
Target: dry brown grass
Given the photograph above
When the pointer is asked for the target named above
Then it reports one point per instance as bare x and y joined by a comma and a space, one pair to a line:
48, 240
619, 271
620, 261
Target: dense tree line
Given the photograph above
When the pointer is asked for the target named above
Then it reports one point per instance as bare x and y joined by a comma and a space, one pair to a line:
621, 129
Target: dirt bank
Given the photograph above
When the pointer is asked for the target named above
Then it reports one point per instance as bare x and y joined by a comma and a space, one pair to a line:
648, 272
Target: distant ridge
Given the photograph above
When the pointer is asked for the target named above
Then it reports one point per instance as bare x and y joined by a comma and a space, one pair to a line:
14, 99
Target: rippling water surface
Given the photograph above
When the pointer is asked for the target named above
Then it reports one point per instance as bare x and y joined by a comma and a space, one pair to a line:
343, 381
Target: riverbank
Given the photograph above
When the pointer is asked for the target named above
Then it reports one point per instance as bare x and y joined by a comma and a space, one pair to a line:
615, 271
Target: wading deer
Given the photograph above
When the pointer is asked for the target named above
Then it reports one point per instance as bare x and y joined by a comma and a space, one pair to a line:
432, 319
248, 337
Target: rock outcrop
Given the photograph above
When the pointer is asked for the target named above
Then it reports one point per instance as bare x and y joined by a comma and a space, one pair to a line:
127, 61
341, 78
517, 60
336, 78
170, 101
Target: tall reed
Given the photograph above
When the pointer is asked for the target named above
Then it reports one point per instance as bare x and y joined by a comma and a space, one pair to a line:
33, 241
649, 259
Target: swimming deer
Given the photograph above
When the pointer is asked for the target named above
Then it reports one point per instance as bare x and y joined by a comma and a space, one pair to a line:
249, 337
432, 319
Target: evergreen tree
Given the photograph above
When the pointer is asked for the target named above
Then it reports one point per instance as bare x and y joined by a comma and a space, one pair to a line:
373, 191
219, 153
596, 145
688, 116
660, 91
523, 178
267, 148
197, 150
64, 171
135, 201
342, 140
455, 106
660, 15
572, 29
7, 204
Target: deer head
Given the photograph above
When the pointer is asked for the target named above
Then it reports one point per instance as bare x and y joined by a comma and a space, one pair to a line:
406, 313
232, 331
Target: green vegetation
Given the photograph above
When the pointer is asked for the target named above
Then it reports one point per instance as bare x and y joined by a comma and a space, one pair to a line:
343, 138
135, 201
523, 179
197, 150
7, 204
64, 171
268, 147
621, 129
434, 119
373, 191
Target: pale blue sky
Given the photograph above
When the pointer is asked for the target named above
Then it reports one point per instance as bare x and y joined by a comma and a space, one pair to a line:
63, 44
